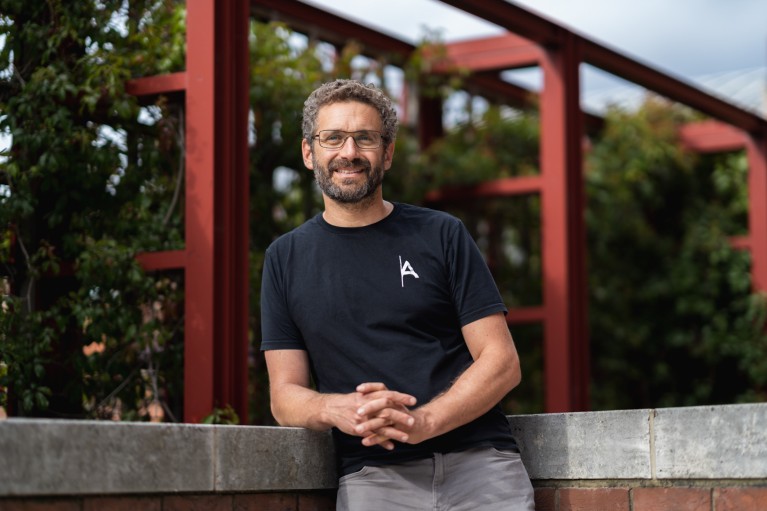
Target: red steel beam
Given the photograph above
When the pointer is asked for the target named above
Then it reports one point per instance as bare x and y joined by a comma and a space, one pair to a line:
566, 353
199, 282
216, 283
497, 53
756, 149
550, 34
330, 27
166, 260
672, 88
506, 187
518, 316
740, 242
231, 196
515, 19
155, 85
337, 30
712, 137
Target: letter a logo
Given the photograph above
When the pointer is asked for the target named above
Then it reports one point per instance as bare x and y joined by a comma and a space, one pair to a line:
405, 269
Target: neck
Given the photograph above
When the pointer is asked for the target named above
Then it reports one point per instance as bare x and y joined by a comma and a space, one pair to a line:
366, 212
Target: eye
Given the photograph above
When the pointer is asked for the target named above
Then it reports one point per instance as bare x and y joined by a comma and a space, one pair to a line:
332, 137
363, 136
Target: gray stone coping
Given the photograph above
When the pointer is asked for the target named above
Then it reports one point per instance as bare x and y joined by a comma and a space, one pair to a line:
703, 442
62, 457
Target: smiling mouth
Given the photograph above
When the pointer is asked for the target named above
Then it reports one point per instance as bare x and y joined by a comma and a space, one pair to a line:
345, 167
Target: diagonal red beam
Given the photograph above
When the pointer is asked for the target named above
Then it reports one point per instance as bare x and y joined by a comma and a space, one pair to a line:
672, 88
515, 19
337, 30
329, 27
497, 53
550, 34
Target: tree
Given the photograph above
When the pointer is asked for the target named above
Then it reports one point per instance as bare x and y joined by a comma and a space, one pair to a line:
674, 321
89, 182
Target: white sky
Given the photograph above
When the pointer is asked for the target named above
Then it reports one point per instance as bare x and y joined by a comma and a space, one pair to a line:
684, 38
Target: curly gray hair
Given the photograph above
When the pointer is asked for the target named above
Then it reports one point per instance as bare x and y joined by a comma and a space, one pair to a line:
349, 90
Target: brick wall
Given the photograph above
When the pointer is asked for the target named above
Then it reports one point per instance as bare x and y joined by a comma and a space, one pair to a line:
675, 459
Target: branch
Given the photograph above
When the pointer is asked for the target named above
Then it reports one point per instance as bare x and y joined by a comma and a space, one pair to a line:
180, 177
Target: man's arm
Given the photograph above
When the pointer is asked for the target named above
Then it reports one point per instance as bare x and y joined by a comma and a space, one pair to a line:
494, 372
295, 403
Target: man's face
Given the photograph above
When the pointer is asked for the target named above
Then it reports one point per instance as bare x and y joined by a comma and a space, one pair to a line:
348, 174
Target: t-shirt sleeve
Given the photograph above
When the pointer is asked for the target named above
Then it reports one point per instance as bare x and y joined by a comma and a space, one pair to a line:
473, 289
278, 330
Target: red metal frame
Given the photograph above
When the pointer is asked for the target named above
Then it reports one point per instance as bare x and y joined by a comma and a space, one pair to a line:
215, 257
715, 136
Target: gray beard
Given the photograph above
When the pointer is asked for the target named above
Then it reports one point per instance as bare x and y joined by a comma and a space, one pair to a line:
348, 195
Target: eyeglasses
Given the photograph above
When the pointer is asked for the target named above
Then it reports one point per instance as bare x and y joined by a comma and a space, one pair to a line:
335, 139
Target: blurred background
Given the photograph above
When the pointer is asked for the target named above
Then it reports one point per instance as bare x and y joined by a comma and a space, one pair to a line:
95, 177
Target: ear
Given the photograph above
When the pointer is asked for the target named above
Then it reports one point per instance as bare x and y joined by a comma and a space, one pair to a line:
306, 152
388, 155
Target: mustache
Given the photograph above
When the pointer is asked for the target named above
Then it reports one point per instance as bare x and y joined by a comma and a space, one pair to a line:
346, 163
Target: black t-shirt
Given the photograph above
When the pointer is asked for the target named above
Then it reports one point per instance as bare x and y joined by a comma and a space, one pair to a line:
384, 302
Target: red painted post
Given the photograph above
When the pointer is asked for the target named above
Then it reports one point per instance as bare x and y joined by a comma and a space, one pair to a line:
566, 355
756, 148
231, 237
216, 282
199, 276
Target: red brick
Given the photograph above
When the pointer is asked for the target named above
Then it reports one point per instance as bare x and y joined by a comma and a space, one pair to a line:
671, 499
40, 504
317, 501
740, 499
122, 504
197, 503
599, 499
265, 502
545, 499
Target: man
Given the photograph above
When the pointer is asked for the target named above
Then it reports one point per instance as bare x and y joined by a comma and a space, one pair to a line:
392, 313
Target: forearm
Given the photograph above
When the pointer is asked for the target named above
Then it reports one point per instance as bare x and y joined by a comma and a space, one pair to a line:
300, 406
484, 383
493, 373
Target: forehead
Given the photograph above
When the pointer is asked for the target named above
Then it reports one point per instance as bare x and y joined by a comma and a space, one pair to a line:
348, 116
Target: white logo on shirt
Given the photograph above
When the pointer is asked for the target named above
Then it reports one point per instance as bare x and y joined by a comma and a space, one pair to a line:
406, 269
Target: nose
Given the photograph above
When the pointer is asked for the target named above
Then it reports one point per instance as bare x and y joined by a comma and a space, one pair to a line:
349, 149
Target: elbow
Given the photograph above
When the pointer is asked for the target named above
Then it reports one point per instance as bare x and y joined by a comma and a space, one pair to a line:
277, 412
516, 377
514, 373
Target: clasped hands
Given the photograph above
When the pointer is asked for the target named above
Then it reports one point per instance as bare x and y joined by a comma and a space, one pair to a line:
379, 415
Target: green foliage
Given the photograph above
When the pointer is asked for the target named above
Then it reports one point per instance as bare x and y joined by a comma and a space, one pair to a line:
673, 318
84, 332
225, 415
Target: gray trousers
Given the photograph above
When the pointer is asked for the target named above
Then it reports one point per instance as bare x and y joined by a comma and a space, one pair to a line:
481, 479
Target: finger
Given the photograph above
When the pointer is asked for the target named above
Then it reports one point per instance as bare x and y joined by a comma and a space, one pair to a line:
383, 442
384, 435
391, 417
377, 389
390, 399
371, 387
400, 421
